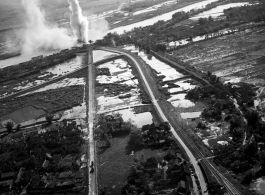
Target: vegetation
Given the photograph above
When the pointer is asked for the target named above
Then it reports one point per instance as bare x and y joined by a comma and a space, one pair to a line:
51, 153
154, 36
9, 126
147, 176
49, 118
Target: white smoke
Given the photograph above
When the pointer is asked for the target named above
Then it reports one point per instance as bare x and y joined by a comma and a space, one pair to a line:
39, 35
79, 23
43, 36
97, 29
83, 28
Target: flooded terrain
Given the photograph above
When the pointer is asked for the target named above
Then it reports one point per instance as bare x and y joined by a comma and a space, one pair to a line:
178, 90
53, 72
166, 16
217, 11
111, 96
234, 58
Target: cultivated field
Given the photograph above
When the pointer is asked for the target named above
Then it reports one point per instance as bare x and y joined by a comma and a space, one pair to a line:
236, 57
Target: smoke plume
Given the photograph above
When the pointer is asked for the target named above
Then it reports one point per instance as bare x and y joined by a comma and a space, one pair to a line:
83, 28
39, 35
97, 28
79, 23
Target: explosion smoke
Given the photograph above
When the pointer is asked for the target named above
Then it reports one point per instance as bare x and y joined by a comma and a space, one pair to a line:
79, 23
40, 36
85, 29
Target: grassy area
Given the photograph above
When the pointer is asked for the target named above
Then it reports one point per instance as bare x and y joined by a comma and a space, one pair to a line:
50, 100
19, 116
115, 162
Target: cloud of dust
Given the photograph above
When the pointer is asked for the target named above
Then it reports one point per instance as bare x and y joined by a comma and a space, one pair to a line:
39, 35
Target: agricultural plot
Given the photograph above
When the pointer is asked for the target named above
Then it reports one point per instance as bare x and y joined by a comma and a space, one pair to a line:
236, 57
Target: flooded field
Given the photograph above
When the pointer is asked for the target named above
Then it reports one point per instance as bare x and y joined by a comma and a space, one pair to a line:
139, 120
54, 72
236, 57
217, 11
63, 83
110, 99
169, 74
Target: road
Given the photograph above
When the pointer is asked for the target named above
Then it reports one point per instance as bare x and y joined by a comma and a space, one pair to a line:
92, 176
181, 135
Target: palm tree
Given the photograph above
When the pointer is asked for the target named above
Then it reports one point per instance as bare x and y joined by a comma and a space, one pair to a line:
90, 42
49, 118
9, 126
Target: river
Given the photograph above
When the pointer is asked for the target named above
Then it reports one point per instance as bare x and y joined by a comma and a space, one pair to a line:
165, 17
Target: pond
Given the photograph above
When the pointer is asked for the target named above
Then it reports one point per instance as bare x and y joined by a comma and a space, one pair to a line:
188, 115
139, 120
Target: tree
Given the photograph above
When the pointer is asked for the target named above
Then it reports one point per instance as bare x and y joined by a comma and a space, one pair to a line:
262, 159
136, 138
215, 188
18, 128
252, 117
165, 126
9, 126
49, 118
248, 178
202, 21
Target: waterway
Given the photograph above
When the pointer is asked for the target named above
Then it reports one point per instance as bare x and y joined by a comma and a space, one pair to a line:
165, 17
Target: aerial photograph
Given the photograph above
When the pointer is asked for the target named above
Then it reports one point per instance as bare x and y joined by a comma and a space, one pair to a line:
132, 97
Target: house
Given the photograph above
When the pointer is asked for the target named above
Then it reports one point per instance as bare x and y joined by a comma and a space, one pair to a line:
37, 57
179, 157
7, 183
20, 174
65, 174
145, 127
181, 189
164, 182
8, 176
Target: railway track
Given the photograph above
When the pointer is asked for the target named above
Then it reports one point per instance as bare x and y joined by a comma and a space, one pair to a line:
218, 176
